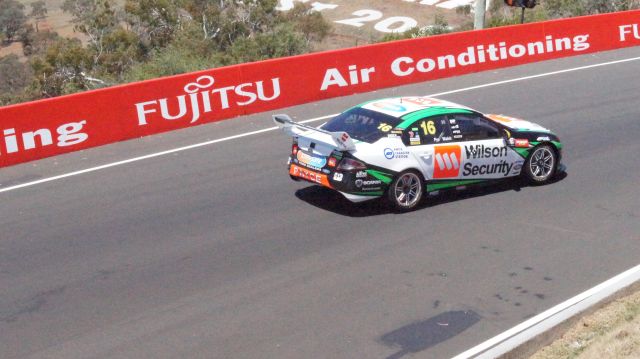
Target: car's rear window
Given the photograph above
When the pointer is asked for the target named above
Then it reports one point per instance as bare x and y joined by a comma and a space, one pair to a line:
362, 124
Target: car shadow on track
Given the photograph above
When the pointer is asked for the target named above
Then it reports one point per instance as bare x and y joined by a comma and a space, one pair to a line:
333, 201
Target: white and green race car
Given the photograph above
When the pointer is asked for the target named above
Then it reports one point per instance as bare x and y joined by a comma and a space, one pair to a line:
403, 147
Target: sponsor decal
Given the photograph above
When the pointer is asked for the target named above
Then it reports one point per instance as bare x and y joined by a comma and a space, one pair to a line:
482, 151
447, 161
405, 65
424, 101
441, 139
371, 189
361, 174
338, 176
68, 134
397, 152
631, 30
503, 167
332, 162
360, 183
201, 97
308, 175
366, 185
543, 138
521, 143
387, 106
502, 118
333, 77
517, 167
311, 160
342, 139
414, 137
388, 153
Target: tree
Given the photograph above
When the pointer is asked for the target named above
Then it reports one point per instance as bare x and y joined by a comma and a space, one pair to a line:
311, 23
154, 21
113, 48
12, 18
61, 69
36, 43
38, 12
14, 78
94, 18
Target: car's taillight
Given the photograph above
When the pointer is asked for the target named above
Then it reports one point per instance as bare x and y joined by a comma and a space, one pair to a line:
349, 164
294, 149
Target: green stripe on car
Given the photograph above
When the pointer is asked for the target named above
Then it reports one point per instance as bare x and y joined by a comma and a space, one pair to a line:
384, 177
448, 184
428, 112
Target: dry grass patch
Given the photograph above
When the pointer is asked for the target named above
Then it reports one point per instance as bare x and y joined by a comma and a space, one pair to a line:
610, 332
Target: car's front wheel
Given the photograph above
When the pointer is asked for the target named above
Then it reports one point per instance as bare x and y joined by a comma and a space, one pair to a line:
405, 192
541, 164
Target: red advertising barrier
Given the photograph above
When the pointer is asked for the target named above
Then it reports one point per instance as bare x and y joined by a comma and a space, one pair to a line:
49, 127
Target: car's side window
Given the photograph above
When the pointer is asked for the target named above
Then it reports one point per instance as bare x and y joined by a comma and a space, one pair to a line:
471, 126
426, 131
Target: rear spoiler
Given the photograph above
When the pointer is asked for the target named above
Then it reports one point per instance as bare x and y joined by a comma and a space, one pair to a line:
339, 139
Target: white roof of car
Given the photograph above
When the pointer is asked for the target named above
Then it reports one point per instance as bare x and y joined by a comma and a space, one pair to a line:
400, 106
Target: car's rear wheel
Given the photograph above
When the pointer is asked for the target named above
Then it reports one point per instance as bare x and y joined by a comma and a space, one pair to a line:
405, 192
541, 165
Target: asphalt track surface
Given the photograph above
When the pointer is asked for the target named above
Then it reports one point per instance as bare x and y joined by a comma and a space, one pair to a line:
214, 252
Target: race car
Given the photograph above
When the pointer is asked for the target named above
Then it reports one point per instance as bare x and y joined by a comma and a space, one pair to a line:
403, 147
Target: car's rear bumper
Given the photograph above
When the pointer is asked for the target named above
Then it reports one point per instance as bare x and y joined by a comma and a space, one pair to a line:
356, 186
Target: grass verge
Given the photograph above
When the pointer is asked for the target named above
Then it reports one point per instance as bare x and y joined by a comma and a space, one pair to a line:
612, 331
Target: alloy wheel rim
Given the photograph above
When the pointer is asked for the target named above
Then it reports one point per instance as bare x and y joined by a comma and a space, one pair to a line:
541, 163
407, 189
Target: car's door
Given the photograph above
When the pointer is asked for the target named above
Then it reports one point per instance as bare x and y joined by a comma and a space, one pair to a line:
482, 147
429, 140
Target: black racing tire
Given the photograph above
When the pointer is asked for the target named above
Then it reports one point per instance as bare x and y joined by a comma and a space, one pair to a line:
406, 191
541, 165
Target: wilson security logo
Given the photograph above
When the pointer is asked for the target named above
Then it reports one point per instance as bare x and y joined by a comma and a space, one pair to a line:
447, 161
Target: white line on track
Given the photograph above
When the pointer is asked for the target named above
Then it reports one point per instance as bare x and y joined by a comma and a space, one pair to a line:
590, 297
207, 143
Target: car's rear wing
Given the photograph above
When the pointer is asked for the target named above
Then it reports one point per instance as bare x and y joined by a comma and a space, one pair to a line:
339, 139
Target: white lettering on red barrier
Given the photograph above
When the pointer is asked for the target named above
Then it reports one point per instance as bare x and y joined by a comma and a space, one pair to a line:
201, 102
68, 135
403, 66
629, 30
334, 77
32, 130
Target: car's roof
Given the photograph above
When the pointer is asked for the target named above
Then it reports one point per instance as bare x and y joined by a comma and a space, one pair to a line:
400, 107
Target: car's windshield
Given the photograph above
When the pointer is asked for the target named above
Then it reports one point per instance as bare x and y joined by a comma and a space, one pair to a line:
362, 124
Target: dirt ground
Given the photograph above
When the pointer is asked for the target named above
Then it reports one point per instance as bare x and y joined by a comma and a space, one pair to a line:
344, 35
56, 20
